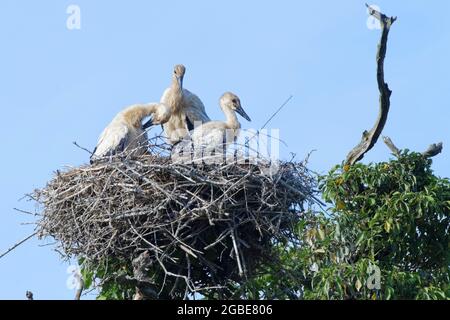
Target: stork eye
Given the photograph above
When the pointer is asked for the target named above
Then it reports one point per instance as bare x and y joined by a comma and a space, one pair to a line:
234, 101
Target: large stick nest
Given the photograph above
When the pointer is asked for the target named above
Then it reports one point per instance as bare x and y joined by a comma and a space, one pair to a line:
205, 224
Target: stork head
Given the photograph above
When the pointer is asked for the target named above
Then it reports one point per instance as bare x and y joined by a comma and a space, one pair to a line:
231, 101
178, 74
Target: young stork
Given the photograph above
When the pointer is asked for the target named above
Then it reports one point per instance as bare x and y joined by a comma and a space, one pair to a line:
186, 108
126, 132
214, 135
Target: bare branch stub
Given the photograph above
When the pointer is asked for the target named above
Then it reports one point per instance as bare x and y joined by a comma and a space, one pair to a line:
369, 138
29, 295
391, 146
433, 150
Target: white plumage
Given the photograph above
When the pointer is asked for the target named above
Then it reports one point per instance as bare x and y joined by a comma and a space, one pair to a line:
214, 135
187, 110
126, 132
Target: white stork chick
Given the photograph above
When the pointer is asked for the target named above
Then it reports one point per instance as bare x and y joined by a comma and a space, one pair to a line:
186, 108
126, 132
214, 135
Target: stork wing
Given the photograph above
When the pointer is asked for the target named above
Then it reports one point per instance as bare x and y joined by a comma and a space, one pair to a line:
213, 138
164, 96
195, 109
114, 139
190, 126
209, 135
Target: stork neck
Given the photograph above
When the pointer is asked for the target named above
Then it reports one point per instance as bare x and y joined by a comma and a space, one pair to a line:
231, 118
176, 87
149, 109
176, 96
134, 114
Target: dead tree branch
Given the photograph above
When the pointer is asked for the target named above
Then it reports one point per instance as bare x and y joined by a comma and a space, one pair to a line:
79, 290
369, 138
433, 150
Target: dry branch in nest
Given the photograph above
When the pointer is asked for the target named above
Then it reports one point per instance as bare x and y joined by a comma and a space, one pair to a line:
180, 225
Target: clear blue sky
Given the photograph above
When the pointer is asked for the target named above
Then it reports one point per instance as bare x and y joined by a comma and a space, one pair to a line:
59, 85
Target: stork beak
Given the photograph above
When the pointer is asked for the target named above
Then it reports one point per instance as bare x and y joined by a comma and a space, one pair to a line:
180, 82
241, 111
148, 124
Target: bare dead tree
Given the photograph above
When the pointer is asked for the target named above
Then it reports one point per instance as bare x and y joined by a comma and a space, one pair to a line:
369, 138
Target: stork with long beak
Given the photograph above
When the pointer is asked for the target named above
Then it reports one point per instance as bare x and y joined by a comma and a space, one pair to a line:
214, 135
186, 108
126, 132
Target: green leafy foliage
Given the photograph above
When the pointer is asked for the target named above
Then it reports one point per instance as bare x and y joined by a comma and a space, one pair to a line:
387, 221
109, 275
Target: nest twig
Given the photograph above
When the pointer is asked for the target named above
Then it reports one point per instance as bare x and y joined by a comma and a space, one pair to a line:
203, 224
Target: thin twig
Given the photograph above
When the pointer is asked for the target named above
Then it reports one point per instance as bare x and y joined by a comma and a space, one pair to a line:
236, 253
82, 148
18, 244
277, 111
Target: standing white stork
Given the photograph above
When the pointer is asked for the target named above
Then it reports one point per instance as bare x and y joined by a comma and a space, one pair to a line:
214, 135
186, 108
126, 132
